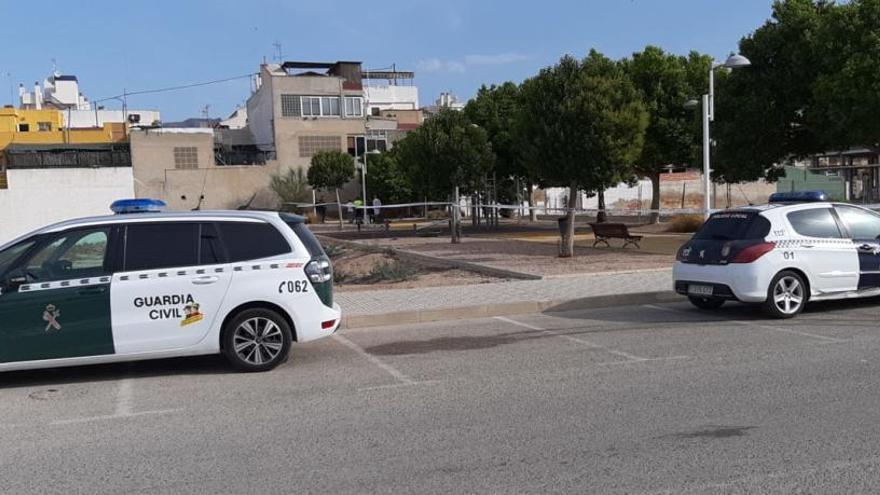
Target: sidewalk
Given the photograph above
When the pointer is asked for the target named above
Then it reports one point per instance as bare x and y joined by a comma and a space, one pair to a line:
397, 306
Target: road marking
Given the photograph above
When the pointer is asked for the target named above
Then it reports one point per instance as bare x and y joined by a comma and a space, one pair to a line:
391, 370
630, 358
398, 385
124, 394
752, 323
112, 416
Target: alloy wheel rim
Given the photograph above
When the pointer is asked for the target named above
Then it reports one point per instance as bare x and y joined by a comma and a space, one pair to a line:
788, 295
257, 341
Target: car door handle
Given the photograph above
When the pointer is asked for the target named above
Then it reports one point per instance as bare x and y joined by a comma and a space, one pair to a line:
808, 245
206, 280
90, 291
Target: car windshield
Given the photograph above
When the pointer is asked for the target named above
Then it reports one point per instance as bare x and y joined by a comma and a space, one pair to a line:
10, 254
734, 226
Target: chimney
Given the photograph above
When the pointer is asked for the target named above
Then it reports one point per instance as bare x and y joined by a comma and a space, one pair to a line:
38, 96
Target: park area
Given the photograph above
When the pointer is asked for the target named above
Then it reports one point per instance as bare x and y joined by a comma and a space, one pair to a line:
407, 257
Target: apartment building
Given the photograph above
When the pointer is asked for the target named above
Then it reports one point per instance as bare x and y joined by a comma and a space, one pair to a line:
300, 108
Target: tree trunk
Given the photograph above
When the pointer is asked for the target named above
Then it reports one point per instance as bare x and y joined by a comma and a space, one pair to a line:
566, 247
601, 216
655, 199
338, 207
456, 221
533, 212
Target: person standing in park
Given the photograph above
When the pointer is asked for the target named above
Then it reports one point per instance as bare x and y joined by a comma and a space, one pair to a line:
377, 209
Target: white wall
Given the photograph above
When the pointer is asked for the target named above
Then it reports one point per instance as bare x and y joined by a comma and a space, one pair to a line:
392, 97
86, 118
37, 197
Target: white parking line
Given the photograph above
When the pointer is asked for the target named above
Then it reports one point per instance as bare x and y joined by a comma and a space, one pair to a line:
629, 357
124, 394
829, 340
391, 370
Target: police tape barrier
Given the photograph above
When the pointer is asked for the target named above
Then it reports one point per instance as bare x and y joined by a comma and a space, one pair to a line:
467, 206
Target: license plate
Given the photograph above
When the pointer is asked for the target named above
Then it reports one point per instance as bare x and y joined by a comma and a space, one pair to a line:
700, 290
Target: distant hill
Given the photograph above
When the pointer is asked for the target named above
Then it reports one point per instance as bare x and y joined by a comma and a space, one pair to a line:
193, 122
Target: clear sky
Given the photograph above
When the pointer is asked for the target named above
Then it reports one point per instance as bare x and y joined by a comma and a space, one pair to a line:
452, 45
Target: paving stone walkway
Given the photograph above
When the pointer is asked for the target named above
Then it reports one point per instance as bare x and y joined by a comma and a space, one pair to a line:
375, 302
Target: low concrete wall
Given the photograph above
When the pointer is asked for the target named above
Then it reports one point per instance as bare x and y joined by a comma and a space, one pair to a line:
37, 197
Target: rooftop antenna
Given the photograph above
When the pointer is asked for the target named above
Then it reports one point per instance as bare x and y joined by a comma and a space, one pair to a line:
207, 115
54, 66
278, 55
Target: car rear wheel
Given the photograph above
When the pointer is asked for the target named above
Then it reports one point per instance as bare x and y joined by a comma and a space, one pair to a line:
786, 295
256, 340
706, 302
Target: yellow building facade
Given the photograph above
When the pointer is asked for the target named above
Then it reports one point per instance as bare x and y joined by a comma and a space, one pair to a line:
46, 126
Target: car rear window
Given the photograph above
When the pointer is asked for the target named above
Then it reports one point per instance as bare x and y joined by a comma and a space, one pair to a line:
734, 226
313, 246
252, 240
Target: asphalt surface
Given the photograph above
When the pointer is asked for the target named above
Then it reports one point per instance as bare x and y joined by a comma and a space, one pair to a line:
643, 399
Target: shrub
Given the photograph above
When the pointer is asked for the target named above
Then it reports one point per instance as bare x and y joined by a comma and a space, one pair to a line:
333, 250
392, 271
437, 214
685, 223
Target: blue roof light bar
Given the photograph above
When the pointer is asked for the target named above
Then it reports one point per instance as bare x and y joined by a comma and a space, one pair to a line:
144, 205
799, 197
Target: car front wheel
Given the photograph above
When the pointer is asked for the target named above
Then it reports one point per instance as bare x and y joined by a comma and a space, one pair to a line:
256, 340
786, 295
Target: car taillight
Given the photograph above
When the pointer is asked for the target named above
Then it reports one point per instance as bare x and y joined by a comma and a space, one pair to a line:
753, 252
319, 270
327, 324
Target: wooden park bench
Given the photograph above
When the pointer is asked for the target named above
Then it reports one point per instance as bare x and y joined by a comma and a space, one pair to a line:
605, 231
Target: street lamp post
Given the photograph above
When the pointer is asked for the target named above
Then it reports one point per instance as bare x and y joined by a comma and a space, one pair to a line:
735, 61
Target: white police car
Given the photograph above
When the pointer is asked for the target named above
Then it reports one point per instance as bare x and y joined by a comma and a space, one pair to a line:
797, 248
153, 284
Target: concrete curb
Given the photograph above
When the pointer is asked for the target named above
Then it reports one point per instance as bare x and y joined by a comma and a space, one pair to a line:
432, 260
503, 309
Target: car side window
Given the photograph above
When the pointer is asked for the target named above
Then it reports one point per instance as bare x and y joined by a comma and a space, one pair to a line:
861, 224
252, 240
74, 254
815, 222
150, 246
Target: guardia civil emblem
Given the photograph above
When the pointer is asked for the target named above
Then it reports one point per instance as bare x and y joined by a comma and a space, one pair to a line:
50, 316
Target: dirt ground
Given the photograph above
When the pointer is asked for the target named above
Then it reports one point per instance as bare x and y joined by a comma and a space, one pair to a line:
537, 253
354, 272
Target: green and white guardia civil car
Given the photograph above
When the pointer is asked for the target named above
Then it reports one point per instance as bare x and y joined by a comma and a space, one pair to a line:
150, 285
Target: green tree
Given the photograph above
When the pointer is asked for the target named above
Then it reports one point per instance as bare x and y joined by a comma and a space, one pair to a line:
586, 120
291, 187
496, 109
386, 179
446, 152
767, 112
331, 169
665, 81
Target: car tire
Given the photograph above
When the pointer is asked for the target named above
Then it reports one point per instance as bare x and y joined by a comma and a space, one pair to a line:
706, 302
256, 339
787, 295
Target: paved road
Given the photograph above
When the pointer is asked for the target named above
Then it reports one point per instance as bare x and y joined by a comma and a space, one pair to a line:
656, 399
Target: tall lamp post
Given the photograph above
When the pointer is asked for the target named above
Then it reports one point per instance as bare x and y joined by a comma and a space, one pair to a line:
734, 61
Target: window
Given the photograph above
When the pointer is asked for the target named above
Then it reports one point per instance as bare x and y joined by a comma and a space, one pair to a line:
815, 222
12, 253
210, 248
44, 126
734, 226
330, 106
291, 106
309, 145
251, 240
311, 106
353, 106
75, 254
186, 157
313, 246
24, 127
150, 246
861, 224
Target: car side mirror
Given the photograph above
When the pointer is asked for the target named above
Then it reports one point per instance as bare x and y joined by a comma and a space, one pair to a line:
15, 280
